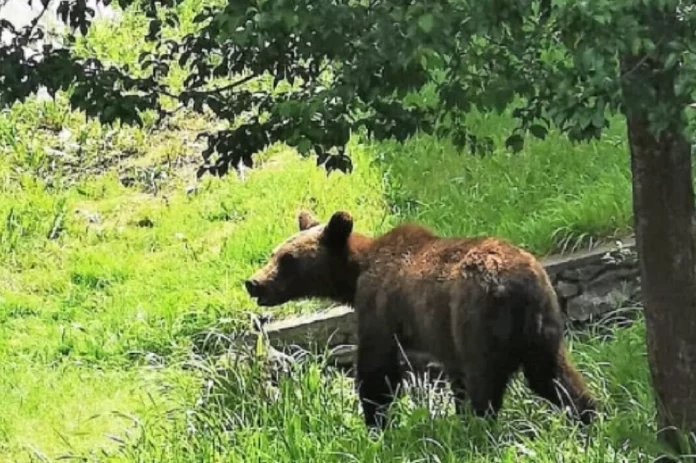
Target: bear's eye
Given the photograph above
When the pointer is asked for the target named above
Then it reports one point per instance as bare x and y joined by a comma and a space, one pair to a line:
287, 260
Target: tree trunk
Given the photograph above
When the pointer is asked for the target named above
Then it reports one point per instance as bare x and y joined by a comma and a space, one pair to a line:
663, 207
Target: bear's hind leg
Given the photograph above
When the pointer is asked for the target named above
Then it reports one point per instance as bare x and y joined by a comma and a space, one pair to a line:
378, 376
551, 375
458, 386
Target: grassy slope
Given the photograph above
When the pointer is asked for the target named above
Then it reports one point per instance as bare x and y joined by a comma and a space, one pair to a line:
96, 324
105, 293
552, 197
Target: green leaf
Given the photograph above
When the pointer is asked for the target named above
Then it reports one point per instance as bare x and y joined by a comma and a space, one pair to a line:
109, 113
683, 86
671, 60
648, 45
290, 19
602, 18
515, 142
588, 57
430, 59
598, 118
584, 119
426, 22
539, 131
260, 346
304, 146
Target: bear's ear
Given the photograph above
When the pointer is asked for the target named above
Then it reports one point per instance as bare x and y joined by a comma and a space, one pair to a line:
306, 220
338, 229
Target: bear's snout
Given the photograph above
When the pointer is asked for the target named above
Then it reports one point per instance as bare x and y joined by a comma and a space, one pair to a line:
253, 287
264, 293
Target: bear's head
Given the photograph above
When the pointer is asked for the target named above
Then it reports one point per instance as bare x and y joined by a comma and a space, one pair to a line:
312, 263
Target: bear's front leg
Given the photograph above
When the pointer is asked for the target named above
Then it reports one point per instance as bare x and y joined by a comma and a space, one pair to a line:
458, 387
378, 375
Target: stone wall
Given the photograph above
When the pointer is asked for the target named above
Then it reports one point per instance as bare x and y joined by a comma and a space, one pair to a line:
595, 282
588, 284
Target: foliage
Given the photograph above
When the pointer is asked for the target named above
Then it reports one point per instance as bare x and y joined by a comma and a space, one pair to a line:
352, 66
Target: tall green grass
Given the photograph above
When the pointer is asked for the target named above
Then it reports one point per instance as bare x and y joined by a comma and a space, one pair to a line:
554, 196
311, 414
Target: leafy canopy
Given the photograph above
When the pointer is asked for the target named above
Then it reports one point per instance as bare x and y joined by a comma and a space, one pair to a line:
385, 68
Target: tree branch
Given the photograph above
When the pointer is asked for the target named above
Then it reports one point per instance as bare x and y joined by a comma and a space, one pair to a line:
232, 85
642, 60
165, 114
36, 20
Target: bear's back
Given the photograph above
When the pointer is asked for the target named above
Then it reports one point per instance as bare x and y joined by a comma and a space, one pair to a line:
413, 252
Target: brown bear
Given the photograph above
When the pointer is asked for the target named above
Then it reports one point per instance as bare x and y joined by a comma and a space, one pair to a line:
480, 306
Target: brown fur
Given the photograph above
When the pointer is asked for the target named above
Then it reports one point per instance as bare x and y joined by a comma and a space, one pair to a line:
482, 307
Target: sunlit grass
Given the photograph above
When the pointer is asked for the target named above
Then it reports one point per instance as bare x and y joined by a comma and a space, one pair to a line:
552, 197
313, 415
